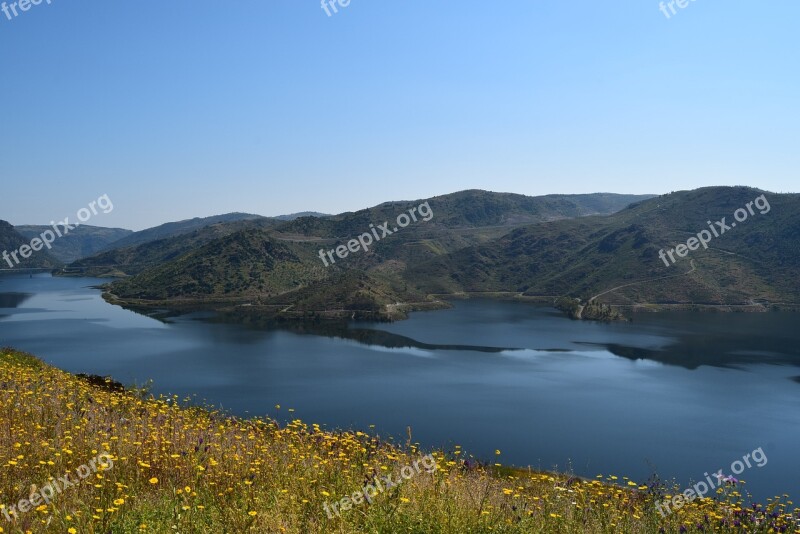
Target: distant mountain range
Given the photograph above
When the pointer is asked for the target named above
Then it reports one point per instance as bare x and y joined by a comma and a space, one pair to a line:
86, 241
579, 251
80, 242
180, 228
275, 267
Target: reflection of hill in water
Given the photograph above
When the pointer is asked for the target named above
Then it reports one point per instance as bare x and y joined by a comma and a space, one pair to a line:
337, 329
13, 300
692, 350
689, 349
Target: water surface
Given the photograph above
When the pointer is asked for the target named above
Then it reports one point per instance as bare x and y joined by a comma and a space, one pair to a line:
680, 394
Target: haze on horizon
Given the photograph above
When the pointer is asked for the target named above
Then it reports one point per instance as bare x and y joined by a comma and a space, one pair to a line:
183, 110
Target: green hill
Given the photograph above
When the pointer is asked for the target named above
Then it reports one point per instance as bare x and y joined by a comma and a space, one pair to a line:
278, 266
174, 229
132, 260
11, 241
595, 260
80, 242
757, 261
270, 277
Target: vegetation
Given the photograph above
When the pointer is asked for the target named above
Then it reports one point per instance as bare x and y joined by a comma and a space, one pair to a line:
11, 240
180, 228
576, 309
178, 468
80, 242
226, 264
485, 243
614, 259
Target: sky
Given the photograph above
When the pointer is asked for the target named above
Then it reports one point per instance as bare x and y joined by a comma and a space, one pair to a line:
185, 108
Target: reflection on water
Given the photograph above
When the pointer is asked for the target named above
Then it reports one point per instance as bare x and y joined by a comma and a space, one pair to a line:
13, 300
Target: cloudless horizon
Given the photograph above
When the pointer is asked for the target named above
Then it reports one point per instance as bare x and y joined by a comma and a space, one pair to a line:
182, 110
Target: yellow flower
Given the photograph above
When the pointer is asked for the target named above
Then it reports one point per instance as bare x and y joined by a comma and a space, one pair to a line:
72, 531
252, 514
119, 502
154, 480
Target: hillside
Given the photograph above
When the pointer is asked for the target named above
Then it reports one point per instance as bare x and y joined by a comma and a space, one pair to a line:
459, 220
467, 210
11, 241
158, 464
132, 260
757, 261
174, 229
279, 265
592, 260
80, 242
271, 277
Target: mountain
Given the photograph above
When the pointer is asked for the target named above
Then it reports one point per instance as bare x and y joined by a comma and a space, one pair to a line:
132, 260
467, 210
280, 267
621, 259
458, 220
174, 229
11, 241
616, 259
245, 264
416, 243
251, 268
80, 242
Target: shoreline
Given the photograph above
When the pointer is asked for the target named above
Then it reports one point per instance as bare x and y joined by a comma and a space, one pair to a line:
400, 311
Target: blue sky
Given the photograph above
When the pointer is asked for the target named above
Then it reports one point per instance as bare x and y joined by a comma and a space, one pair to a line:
181, 109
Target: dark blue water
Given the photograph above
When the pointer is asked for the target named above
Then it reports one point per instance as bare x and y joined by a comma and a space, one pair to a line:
680, 394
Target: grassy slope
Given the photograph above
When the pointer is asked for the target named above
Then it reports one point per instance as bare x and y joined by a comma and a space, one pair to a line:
759, 259
132, 260
182, 469
245, 264
274, 277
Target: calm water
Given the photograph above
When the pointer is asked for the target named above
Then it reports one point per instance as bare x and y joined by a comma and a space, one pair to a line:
679, 394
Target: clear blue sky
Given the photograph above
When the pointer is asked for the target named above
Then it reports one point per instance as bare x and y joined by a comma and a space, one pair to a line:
181, 108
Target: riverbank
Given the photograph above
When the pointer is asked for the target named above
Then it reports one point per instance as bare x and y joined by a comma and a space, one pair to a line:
176, 467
